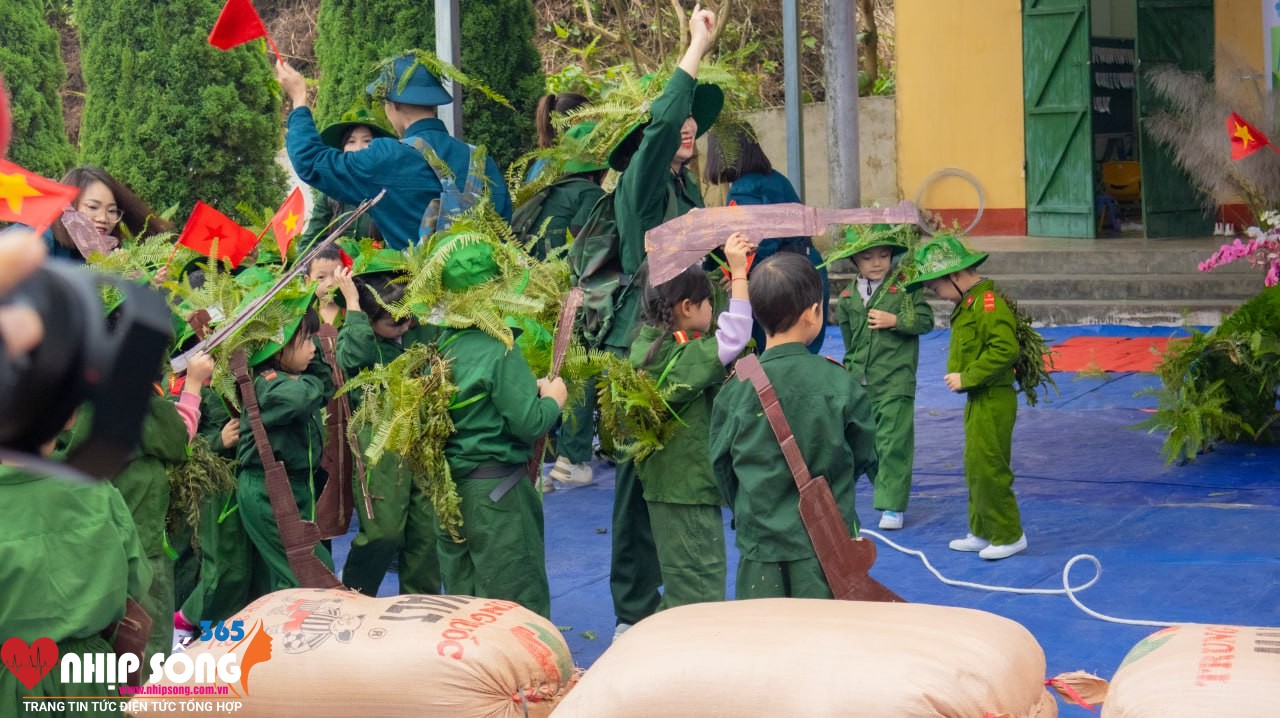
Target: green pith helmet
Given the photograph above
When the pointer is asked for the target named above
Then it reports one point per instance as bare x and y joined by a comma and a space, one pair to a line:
708, 101
356, 117
577, 140
945, 255
467, 264
297, 307
380, 260
860, 237
407, 79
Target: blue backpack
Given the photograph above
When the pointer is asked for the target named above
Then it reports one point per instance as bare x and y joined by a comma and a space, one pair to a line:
452, 201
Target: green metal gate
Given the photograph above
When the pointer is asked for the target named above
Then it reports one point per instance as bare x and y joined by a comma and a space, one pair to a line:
1171, 32
1058, 118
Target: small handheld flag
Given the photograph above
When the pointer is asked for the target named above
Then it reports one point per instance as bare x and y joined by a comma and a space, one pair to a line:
31, 199
286, 225
237, 24
1245, 138
209, 230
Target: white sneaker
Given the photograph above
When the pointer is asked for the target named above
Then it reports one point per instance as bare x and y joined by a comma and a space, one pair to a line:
567, 472
546, 484
620, 629
969, 543
891, 520
994, 552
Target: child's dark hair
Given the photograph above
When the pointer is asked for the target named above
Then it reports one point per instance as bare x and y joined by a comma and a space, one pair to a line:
384, 285
750, 157
659, 307
560, 104
782, 288
307, 329
332, 253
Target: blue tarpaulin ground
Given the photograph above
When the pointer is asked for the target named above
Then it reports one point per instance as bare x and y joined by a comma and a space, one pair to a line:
1194, 543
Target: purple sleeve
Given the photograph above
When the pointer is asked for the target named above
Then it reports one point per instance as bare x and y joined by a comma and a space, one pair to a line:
734, 330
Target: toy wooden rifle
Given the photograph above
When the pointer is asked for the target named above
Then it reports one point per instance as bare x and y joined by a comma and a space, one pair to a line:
676, 245
298, 536
179, 363
333, 508
845, 560
564, 335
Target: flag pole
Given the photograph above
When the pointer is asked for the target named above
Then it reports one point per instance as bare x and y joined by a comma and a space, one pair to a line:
272, 43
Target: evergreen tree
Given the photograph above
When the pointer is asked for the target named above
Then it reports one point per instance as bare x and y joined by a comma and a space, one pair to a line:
31, 63
173, 117
497, 49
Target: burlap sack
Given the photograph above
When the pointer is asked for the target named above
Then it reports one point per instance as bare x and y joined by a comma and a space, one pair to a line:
326, 653
1199, 671
810, 658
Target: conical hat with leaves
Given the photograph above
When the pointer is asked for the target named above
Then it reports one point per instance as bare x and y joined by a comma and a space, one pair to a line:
945, 255
861, 237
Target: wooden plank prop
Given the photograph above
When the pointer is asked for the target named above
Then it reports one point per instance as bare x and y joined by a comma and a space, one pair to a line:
845, 561
564, 335
678, 244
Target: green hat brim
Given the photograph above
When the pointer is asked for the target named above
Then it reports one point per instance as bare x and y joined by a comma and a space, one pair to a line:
299, 306
332, 135
973, 260
708, 101
382, 260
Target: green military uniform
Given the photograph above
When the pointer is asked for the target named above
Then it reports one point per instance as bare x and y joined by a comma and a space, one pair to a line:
497, 417
983, 350
567, 205
683, 499
144, 484
403, 522
322, 215
71, 558
290, 407
831, 418
884, 361
648, 194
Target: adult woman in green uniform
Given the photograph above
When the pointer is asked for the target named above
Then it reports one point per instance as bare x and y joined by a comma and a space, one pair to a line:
403, 524
881, 323
984, 348
654, 187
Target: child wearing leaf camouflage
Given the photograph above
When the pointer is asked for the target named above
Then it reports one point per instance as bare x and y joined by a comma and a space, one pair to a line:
980, 362
501, 408
881, 323
679, 488
403, 524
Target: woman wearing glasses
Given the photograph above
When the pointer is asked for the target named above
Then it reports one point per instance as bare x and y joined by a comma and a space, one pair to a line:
114, 210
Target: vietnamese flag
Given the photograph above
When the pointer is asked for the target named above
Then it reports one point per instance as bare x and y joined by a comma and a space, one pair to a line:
286, 225
208, 227
1245, 138
31, 199
237, 24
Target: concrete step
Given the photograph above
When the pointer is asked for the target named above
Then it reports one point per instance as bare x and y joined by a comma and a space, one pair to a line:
1112, 286
1155, 261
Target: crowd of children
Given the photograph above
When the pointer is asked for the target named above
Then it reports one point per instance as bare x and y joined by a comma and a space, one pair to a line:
850, 418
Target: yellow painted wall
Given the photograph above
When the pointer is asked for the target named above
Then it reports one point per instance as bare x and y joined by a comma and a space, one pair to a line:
959, 89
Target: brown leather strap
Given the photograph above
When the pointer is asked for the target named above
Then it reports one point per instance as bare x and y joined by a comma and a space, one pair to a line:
560, 347
129, 635
748, 369
298, 536
333, 508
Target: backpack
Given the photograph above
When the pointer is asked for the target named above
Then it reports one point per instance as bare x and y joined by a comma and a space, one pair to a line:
524, 221
595, 264
452, 201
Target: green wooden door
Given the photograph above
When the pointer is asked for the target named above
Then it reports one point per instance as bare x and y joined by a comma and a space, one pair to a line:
1171, 32
1058, 119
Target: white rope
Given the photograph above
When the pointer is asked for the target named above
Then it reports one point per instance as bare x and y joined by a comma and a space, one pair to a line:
1067, 589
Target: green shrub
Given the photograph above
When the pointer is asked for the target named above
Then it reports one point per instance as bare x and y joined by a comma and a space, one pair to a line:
31, 63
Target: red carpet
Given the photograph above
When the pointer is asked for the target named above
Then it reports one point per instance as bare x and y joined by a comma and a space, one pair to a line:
1116, 354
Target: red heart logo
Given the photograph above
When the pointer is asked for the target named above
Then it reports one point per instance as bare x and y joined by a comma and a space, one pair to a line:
29, 663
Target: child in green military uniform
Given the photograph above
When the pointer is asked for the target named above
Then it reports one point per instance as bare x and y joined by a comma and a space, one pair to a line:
357, 128
403, 523
881, 323
500, 410
984, 348
683, 500
292, 384
830, 415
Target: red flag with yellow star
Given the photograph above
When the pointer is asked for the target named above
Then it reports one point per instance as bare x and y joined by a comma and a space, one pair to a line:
31, 199
1245, 138
209, 230
286, 225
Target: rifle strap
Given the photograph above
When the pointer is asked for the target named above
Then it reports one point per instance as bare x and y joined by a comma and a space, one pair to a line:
333, 508
299, 537
748, 369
